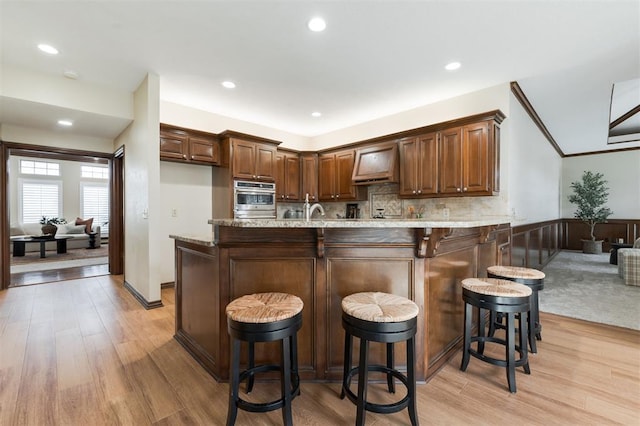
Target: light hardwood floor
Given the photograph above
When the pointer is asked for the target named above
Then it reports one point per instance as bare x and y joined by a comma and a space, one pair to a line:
84, 352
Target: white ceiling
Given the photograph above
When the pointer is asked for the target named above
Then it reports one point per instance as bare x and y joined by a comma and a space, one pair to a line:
375, 58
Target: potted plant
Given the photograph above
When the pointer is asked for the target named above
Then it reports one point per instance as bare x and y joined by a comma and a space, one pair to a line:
49, 227
590, 195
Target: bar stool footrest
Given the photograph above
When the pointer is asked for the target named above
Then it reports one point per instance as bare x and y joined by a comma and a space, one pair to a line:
263, 407
393, 407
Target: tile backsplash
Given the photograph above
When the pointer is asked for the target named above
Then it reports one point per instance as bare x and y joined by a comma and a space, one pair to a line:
385, 197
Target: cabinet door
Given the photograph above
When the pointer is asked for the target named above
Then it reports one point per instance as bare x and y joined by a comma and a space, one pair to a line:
451, 161
475, 158
204, 149
292, 178
408, 166
345, 190
280, 177
326, 177
427, 182
265, 166
309, 177
174, 146
244, 162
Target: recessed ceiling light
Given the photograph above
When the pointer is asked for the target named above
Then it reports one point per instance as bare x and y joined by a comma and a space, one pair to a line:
229, 84
317, 24
316, 114
65, 123
452, 66
46, 48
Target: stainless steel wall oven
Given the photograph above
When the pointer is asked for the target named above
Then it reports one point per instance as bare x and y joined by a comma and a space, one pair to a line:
254, 200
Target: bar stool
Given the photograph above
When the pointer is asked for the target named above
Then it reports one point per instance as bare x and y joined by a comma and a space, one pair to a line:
507, 298
379, 317
532, 278
264, 317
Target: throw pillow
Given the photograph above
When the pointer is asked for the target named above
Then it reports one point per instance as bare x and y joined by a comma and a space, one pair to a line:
76, 229
87, 222
62, 228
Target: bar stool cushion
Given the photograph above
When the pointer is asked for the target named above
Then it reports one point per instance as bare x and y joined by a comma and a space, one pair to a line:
516, 272
496, 287
379, 307
264, 307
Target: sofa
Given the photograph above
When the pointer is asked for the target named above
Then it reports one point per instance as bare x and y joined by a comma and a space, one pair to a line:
76, 234
629, 264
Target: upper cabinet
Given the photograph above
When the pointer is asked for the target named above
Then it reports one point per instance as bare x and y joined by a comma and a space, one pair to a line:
467, 160
309, 162
188, 146
287, 176
334, 177
419, 165
251, 160
376, 164
458, 158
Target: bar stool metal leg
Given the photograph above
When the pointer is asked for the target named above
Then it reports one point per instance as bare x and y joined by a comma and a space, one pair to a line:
285, 381
348, 342
363, 371
468, 312
232, 412
411, 379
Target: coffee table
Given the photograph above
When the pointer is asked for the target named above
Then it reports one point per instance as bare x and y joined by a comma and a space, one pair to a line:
19, 245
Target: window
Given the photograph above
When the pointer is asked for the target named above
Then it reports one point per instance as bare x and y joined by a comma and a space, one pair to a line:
44, 168
40, 198
95, 172
94, 202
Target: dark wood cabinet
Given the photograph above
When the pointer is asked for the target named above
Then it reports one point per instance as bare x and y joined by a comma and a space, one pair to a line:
376, 164
288, 176
467, 160
253, 160
188, 146
334, 176
309, 162
418, 165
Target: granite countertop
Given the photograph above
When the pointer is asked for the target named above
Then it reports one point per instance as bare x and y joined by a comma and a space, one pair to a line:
451, 222
203, 240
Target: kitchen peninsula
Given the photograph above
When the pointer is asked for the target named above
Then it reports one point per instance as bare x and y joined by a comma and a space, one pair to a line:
322, 261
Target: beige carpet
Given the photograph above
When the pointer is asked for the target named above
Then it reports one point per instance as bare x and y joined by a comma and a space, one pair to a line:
587, 287
31, 261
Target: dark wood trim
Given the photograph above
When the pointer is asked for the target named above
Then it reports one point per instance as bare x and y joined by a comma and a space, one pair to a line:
633, 111
609, 151
574, 230
140, 298
533, 245
522, 98
246, 137
169, 284
116, 215
38, 151
56, 153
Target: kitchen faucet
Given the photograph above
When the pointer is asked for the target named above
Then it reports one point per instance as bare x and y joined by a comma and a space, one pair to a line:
309, 209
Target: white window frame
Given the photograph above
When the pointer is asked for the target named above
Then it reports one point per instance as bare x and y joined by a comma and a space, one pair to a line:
47, 166
23, 181
90, 171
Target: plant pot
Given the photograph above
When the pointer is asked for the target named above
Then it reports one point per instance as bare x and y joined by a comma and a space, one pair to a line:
592, 247
49, 229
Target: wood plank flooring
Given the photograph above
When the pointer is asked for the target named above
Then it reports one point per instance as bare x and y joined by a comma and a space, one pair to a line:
84, 352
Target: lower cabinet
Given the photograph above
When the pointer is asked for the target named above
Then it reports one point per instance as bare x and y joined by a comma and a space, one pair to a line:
322, 266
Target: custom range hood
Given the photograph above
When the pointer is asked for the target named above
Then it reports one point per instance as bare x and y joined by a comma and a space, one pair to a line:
376, 164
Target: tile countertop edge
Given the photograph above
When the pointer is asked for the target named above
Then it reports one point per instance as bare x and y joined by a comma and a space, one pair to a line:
201, 240
458, 222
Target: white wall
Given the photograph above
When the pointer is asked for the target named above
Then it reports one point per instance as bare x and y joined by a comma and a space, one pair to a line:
11, 133
622, 172
534, 170
186, 189
190, 118
142, 218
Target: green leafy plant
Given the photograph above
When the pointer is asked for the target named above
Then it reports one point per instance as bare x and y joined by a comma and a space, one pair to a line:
590, 196
52, 220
